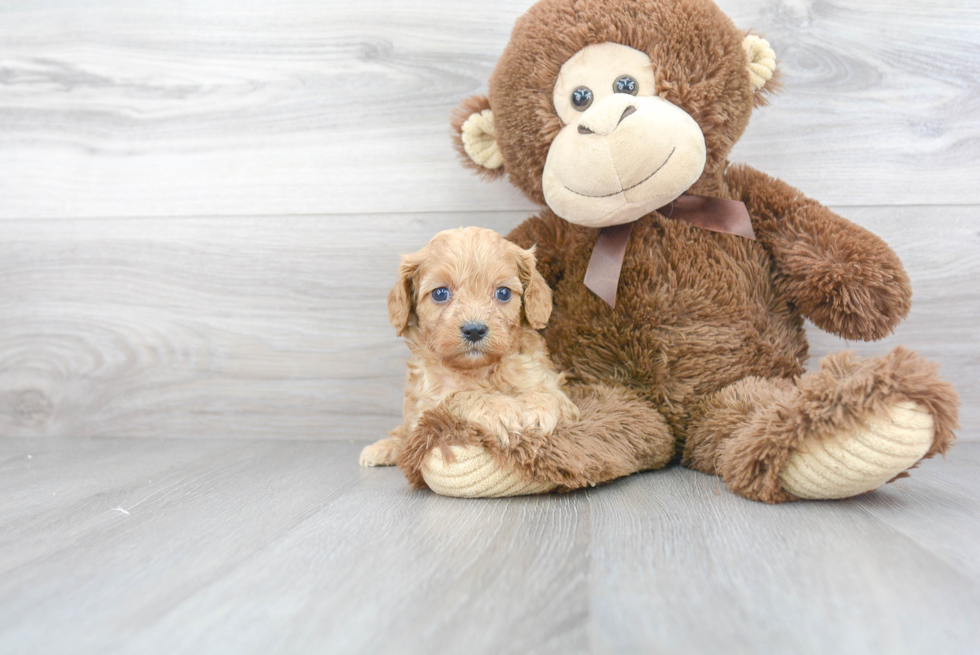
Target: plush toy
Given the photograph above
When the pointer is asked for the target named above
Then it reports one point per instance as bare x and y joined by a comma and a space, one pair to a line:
681, 281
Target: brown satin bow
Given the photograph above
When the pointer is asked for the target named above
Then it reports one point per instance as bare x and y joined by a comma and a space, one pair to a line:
714, 214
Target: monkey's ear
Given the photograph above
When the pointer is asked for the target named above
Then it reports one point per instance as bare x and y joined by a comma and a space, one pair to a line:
537, 293
475, 137
761, 64
401, 309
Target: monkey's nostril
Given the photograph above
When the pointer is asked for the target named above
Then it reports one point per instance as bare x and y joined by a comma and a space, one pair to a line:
584, 130
474, 331
626, 112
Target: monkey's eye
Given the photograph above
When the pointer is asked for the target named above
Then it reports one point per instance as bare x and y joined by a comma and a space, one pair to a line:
502, 294
582, 98
625, 84
441, 294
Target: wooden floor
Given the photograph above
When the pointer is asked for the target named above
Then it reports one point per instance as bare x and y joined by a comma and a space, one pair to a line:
226, 546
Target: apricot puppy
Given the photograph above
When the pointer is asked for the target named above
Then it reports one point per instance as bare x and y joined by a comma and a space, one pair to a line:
469, 304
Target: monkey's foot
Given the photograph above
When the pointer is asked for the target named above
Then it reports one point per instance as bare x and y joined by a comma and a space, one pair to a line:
475, 474
862, 459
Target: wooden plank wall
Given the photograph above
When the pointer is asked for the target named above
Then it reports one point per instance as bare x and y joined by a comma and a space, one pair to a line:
202, 204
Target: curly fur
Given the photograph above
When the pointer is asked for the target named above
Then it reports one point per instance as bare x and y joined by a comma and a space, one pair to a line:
503, 382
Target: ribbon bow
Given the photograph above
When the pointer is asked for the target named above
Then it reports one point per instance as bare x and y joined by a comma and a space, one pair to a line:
714, 214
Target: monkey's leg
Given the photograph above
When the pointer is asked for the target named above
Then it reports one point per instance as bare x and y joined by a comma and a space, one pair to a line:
847, 429
617, 434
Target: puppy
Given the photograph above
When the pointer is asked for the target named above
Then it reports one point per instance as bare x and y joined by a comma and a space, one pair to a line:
469, 304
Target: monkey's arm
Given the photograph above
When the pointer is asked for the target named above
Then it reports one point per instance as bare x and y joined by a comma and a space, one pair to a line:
618, 434
842, 277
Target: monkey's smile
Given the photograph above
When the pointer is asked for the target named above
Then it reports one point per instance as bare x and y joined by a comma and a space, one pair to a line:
616, 193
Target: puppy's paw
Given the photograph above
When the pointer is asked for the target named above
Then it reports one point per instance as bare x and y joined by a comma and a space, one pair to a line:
381, 453
510, 420
544, 411
500, 415
540, 419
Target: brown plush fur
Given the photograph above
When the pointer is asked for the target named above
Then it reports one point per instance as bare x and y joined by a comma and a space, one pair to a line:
696, 312
708, 328
840, 276
698, 62
746, 432
587, 452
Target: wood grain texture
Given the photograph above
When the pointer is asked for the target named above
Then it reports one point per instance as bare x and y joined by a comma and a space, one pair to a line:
276, 547
309, 107
277, 327
182, 546
698, 569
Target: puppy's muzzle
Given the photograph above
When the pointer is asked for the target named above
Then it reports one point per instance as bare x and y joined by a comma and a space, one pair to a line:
474, 332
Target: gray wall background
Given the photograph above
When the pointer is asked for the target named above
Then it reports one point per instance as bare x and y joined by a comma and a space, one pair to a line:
202, 203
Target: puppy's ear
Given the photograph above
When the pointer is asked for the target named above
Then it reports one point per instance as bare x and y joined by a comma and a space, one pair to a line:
401, 307
537, 293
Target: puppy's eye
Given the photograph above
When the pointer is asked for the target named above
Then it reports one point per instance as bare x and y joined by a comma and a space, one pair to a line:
503, 294
582, 98
625, 84
441, 294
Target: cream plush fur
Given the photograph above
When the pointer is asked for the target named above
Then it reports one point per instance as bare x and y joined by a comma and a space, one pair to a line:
858, 461
645, 152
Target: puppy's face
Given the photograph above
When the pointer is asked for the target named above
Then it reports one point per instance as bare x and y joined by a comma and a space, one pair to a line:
469, 291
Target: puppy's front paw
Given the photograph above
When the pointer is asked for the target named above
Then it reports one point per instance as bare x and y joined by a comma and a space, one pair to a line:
504, 418
544, 411
499, 415
381, 453
540, 419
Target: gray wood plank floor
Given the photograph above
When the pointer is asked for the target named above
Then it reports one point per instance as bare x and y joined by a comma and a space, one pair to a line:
226, 546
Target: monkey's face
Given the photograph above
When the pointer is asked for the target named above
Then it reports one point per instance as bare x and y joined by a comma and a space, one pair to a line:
607, 110
623, 151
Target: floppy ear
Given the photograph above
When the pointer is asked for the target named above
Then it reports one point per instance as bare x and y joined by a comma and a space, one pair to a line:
401, 308
537, 293
475, 137
761, 66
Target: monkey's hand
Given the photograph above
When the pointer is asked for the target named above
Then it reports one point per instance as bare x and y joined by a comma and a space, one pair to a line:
840, 276
455, 457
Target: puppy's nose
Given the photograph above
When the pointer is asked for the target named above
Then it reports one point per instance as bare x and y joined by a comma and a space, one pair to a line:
474, 331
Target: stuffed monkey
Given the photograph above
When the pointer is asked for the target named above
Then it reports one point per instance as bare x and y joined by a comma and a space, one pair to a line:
680, 280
